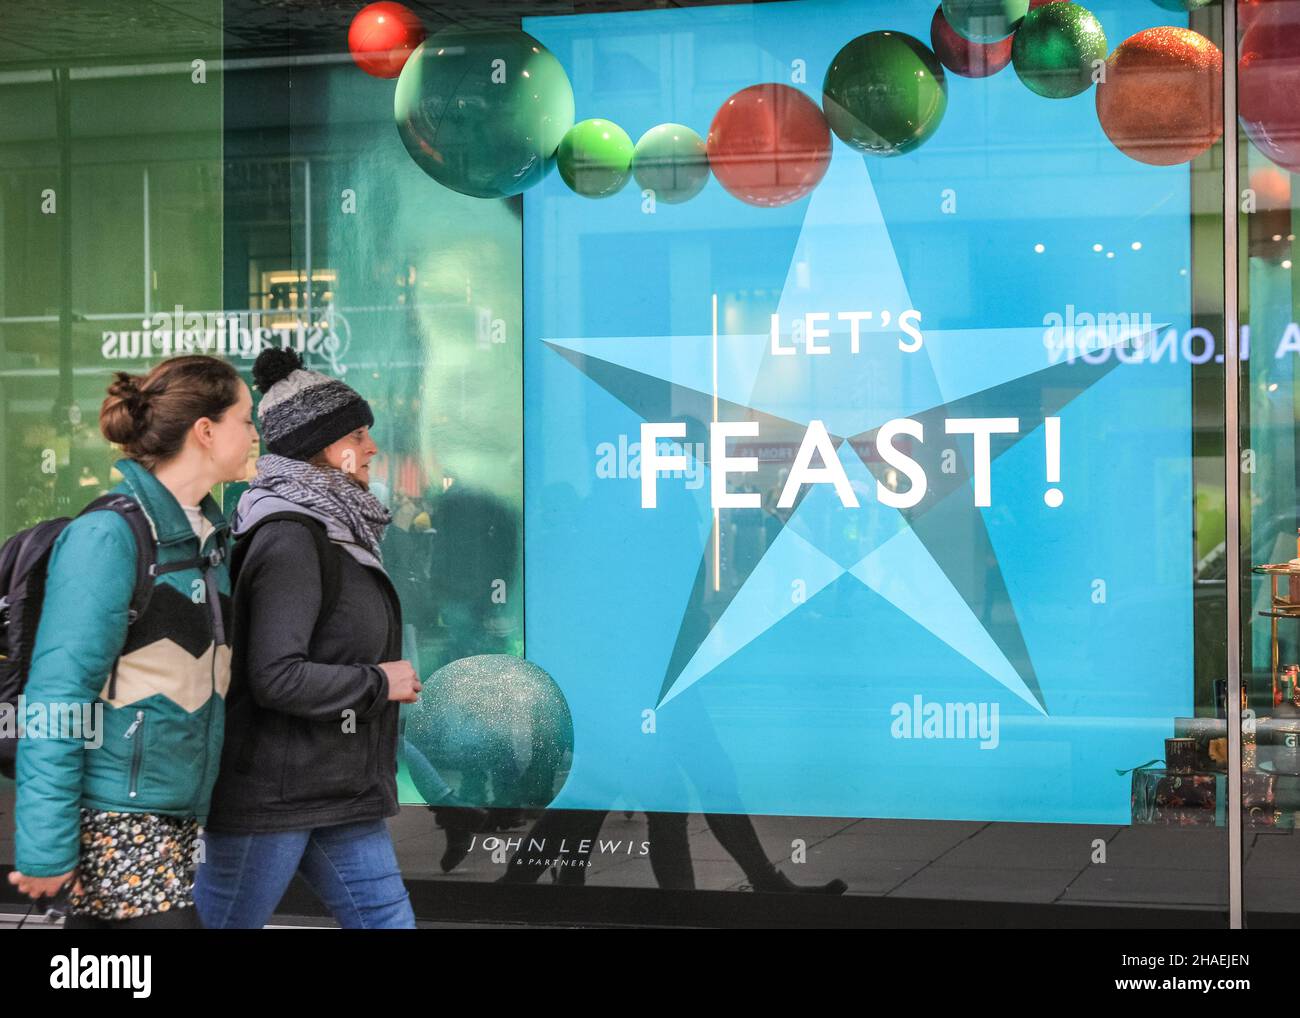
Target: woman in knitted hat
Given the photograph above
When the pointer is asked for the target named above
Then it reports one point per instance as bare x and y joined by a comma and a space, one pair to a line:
309, 769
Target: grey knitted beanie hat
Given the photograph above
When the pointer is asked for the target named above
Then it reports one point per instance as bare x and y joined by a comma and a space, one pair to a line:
304, 411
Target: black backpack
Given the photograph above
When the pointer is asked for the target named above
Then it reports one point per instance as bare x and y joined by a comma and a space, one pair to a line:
24, 559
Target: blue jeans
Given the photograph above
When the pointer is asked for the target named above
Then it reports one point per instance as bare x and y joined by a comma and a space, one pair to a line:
351, 867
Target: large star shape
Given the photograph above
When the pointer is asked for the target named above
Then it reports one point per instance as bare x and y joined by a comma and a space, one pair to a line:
934, 562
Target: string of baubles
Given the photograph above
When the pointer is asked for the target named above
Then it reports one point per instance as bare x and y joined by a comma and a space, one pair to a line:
488, 113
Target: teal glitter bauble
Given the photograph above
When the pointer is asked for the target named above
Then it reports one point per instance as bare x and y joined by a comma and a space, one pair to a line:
495, 729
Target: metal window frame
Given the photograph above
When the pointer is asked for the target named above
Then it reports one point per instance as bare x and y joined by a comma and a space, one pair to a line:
1232, 457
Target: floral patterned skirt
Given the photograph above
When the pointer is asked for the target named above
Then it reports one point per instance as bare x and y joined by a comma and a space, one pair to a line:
134, 864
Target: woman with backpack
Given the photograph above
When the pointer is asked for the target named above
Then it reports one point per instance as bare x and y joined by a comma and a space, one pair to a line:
309, 772
132, 624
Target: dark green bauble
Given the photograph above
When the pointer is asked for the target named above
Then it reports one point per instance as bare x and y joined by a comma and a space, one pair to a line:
1057, 48
672, 161
483, 112
595, 158
885, 93
1183, 5
495, 729
984, 20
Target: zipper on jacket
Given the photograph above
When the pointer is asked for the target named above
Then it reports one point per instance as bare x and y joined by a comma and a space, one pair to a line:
136, 752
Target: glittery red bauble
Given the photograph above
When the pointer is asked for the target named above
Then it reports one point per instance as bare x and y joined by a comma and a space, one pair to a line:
961, 56
1268, 84
769, 145
382, 36
1162, 98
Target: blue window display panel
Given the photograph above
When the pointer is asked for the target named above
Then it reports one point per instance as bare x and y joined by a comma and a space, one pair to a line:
995, 646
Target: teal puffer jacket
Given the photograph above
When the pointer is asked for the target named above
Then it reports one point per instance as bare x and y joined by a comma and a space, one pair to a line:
163, 718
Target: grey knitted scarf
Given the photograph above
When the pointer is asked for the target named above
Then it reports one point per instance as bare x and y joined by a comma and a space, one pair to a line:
329, 492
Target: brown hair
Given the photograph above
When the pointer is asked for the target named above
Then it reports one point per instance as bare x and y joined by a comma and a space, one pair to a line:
149, 415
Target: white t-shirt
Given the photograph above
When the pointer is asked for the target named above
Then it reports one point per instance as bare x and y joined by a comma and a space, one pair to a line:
202, 528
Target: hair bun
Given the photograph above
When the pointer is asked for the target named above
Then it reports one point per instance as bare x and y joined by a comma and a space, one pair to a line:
274, 365
126, 388
124, 415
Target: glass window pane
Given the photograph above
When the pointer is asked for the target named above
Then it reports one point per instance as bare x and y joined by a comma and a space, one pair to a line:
834, 390
1268, 73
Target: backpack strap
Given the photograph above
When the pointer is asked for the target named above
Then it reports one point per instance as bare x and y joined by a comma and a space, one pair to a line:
146, 560
146, 553
330, 586
326, 557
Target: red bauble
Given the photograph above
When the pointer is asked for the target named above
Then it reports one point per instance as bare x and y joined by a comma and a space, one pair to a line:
1268, 84
382, 36
769, 145
1272, 188
1249, 10
961, 56
1162, 98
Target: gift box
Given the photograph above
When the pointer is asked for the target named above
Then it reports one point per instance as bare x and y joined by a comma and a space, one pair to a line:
1258, 788
1287, 792
1259, 799
1181, 800
1211, 738
1278, 742
1200, 800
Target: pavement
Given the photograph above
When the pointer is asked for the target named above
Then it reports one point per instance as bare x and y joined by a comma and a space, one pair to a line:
1179, 867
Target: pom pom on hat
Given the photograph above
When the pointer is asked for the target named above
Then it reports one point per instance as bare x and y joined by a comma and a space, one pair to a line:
274, 365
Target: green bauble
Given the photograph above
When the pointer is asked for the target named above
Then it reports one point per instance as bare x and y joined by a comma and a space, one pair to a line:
671, 160
1056, 49
495, 729
984, 20
884, 93
595, 158
483, 112
1183, 5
